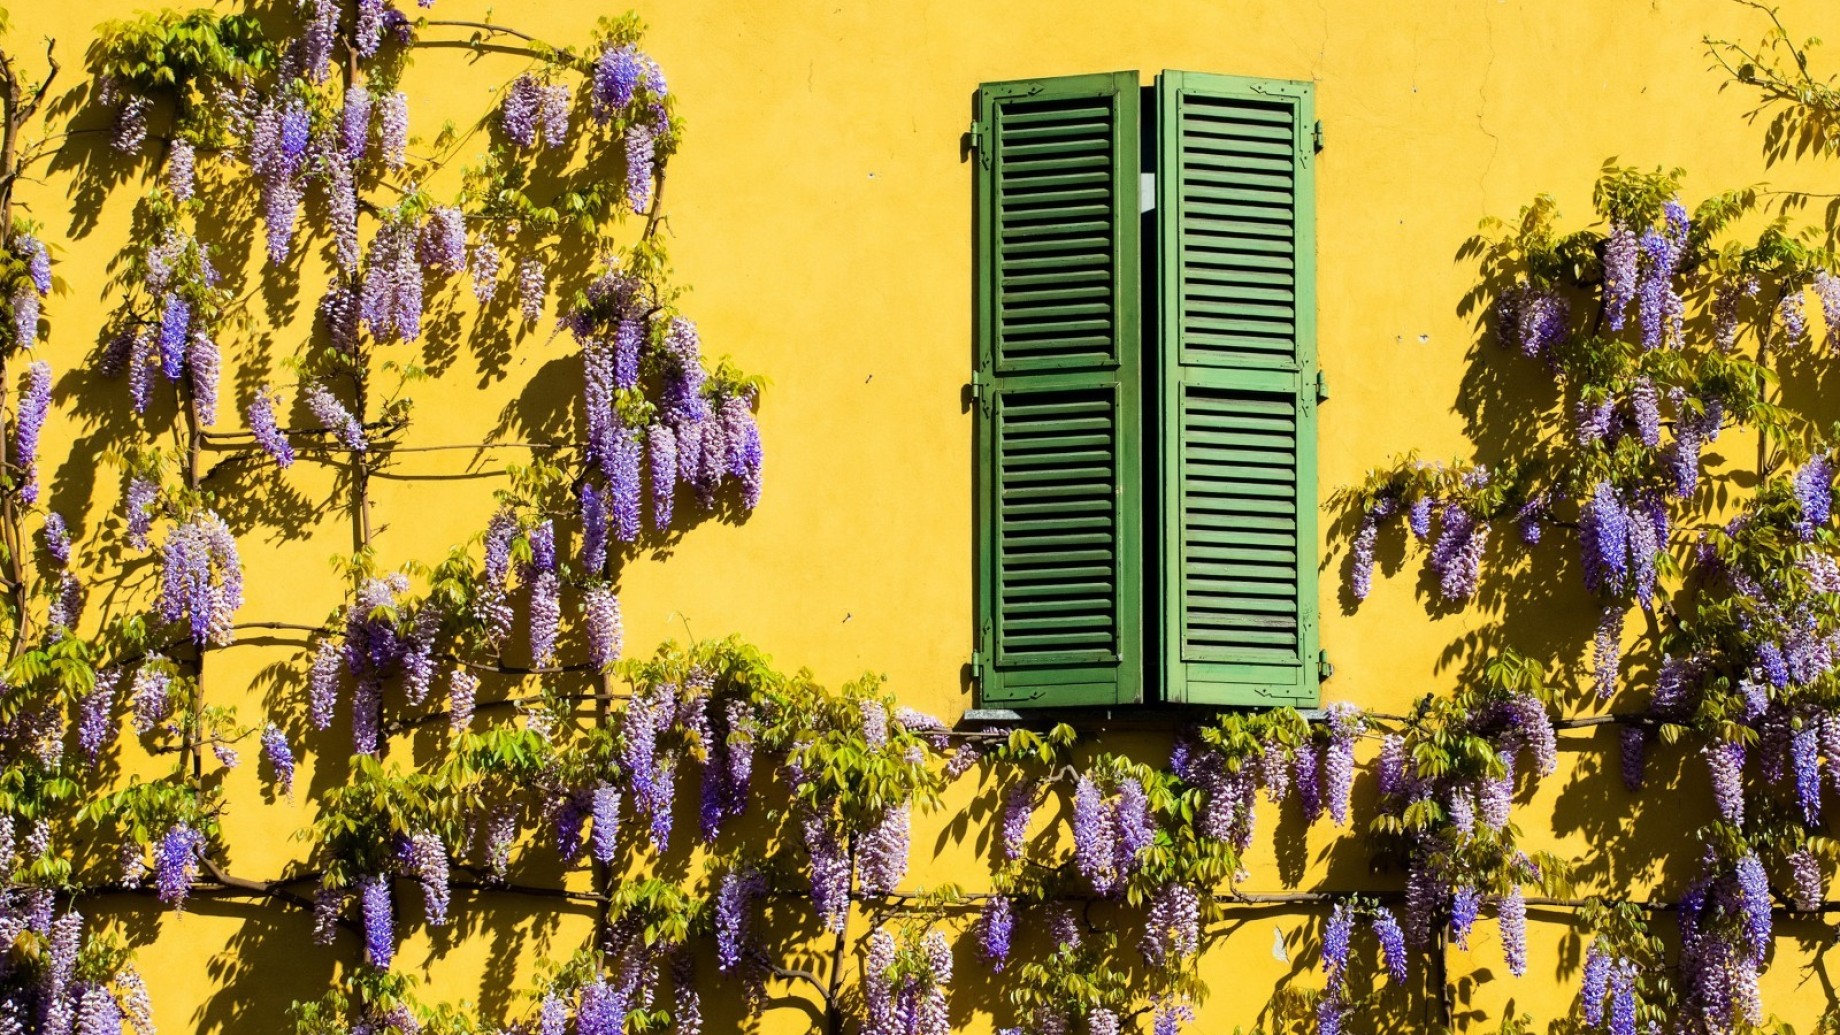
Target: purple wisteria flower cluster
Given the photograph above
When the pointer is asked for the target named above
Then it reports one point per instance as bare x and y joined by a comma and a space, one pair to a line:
1461, 805
385, 637
27, 294
704, 437
201, 578
906, 996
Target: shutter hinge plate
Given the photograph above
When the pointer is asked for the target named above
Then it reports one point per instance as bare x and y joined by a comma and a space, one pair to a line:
977, 667
1322, 387
980, 393
1323, 668
1316, 136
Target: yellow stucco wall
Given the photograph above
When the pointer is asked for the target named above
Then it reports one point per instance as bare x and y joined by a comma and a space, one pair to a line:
821, 211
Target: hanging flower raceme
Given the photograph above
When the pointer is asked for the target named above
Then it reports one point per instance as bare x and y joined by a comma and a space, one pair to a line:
201, 578
267, 431
1725, 933
545, 592
1447, 784
1532, 318
384, 638
175, 863
390, 300
280, 757
905, 982
1338, 934
34, 409
335, 418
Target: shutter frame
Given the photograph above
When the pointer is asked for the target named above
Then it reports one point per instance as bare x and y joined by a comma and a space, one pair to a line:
1043, 382
1230, 388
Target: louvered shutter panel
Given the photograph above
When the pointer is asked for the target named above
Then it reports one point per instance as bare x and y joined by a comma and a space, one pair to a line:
1237, 360
1059, 392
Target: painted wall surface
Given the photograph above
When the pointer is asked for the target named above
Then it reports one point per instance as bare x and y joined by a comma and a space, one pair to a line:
820, 208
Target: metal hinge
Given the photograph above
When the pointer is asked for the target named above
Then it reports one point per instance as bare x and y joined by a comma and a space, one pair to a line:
1316, 136
976, 136
1322, 387
981, 396
1323, 669
977, 667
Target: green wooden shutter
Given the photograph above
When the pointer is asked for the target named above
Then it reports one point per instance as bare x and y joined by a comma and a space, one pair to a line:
1058, 392
1236, 319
